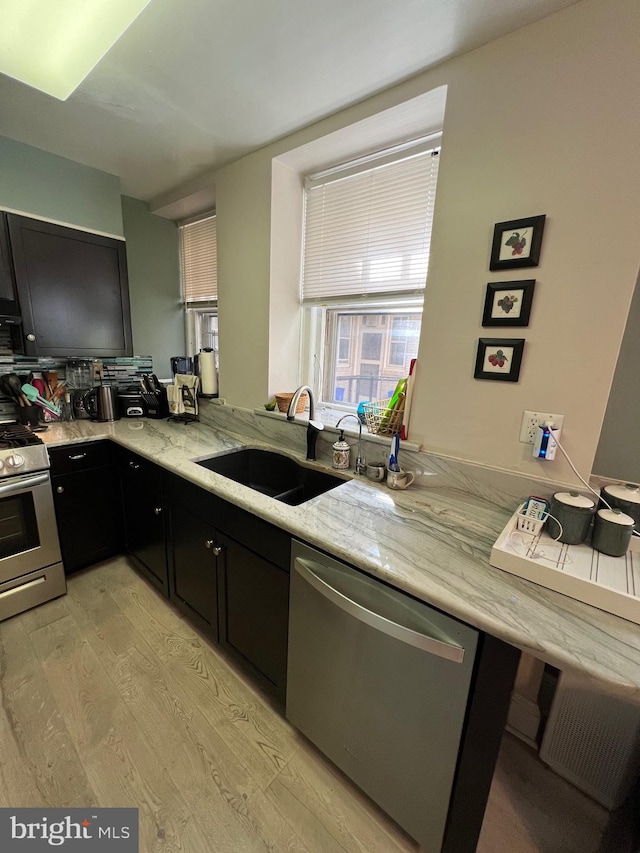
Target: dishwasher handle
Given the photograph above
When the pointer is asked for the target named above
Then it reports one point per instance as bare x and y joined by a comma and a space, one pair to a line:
449, 651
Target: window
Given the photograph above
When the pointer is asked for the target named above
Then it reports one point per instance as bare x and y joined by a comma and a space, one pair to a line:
367, 235
199, 275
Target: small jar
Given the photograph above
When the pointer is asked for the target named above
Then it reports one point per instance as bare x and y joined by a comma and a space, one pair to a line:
612, 532
624, 496
574, 512
341, 452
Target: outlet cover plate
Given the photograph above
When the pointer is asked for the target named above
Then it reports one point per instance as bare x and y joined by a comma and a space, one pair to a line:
531, 421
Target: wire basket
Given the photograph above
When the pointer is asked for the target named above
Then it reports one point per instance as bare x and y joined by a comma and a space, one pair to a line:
380, 419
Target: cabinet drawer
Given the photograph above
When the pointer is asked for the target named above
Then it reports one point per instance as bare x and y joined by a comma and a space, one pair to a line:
79, 457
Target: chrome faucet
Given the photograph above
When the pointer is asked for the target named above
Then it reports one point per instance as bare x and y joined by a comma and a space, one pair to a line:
361, 462
314, 427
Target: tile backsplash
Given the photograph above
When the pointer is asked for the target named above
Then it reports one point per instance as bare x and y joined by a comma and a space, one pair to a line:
115, 371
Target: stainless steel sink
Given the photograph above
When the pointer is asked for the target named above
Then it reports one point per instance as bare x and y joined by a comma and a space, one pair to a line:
272, 473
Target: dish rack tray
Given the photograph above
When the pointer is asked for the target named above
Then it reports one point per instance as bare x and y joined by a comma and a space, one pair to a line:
609, 583
380, 419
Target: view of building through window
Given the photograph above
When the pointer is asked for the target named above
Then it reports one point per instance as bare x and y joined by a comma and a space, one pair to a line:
373, 351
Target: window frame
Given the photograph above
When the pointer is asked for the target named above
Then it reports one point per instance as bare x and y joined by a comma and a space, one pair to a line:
318, 334
319, 343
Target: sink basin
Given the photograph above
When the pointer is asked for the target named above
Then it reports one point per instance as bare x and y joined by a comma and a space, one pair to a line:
272, 473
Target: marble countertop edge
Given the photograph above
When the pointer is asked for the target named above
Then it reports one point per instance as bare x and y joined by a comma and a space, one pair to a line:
432, 543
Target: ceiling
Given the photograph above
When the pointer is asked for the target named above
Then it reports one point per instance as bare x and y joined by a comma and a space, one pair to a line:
195, 84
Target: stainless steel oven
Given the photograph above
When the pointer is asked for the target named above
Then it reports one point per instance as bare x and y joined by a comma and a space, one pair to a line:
31, 570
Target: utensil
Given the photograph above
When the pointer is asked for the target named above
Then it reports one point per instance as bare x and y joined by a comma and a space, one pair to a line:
13, 382
50, 378
40, 387
32, 395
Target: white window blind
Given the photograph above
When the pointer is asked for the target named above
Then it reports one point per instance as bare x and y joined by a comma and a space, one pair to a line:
370, 232
199, 254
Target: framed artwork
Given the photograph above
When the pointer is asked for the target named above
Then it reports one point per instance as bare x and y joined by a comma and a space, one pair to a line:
517, 243
499, 358
508, 303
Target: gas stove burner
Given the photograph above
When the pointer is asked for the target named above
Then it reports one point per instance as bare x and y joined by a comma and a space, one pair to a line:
17, 435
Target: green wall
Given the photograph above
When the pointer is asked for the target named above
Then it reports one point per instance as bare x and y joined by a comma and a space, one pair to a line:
44, 185
154, 284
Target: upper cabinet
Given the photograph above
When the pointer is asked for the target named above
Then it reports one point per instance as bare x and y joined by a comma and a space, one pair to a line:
72, 288
7, 290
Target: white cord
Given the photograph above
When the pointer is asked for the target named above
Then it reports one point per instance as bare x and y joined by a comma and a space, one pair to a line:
577, 473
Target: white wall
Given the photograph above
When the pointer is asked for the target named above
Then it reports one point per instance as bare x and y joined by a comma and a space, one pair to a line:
541, 121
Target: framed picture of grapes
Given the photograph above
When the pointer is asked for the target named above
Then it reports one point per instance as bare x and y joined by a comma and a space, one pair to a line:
517, 243
499, 358
508, 303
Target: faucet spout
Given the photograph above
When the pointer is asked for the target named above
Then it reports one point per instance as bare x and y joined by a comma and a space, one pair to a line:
314, 426
293, 405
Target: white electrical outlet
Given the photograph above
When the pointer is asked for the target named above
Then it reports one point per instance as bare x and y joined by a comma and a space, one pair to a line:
532, 420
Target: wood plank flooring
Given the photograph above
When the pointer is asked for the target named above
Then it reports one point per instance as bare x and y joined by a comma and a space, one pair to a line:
110, 698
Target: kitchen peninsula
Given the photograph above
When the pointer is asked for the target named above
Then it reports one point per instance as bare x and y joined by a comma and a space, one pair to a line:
433, 543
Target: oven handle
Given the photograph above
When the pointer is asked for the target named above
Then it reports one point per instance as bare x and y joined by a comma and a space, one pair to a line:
24, 483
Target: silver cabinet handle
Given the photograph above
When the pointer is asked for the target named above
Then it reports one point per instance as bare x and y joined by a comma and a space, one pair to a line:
60, 490
31, 337
134, 465
77, 456
216, 549
375, 620
158, 510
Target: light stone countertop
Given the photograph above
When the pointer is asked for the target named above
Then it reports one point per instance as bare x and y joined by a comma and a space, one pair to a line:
432, 542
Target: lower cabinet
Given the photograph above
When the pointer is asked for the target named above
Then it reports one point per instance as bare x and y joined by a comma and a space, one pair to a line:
144, 521
86, 496
254, 613
194, 575
229, 572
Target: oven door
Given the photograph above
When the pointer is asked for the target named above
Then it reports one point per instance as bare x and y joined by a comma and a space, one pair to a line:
28, 532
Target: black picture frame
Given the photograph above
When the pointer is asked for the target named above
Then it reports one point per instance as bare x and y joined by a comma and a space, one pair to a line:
508, 303
508, 255
509, 358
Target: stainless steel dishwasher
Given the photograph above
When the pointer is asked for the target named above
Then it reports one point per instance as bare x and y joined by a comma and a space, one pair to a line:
379, 682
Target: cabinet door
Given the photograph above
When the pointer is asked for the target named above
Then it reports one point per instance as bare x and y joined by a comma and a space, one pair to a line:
254, 608
72, 288
7, 292
194, 585
89, 516
141, 483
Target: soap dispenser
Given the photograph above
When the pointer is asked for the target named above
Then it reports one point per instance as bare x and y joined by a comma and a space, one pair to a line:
341, 450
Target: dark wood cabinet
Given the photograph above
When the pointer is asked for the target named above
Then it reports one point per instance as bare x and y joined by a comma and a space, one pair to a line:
222, 553
194, 576
86, 496
72, 288
254, 612
144, 516
7, 289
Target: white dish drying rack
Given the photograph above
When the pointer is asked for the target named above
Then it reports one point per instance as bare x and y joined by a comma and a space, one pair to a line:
610, 583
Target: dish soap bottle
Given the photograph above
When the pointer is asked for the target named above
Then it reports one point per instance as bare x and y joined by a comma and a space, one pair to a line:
341, 450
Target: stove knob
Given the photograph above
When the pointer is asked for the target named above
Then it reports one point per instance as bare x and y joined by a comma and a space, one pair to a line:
15, 461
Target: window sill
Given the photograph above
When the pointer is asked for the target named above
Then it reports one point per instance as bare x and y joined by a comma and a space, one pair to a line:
329, 417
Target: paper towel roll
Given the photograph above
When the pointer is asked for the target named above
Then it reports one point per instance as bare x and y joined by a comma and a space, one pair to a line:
208, 373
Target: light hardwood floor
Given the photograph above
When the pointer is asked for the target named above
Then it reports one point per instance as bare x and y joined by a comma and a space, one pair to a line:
110, 698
